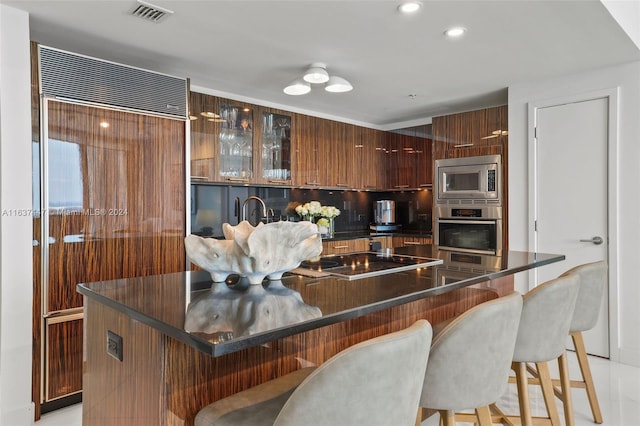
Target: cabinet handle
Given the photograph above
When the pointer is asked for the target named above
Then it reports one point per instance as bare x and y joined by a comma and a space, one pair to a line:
426, 185
236, 180
370, 186
339, 247
312, 183
412, 243
463, 145
342, 184
200, 177
401, 186
279, 182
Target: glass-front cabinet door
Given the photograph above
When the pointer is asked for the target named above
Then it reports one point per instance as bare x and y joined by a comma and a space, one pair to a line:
236, 143
276, 148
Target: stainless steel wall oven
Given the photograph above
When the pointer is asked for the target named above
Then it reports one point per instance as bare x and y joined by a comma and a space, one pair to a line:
469, 229
468, 204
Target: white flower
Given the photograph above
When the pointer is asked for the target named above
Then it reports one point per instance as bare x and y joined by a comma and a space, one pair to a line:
314, 209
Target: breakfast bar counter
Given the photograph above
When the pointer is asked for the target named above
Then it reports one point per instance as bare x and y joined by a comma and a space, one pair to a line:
159, 348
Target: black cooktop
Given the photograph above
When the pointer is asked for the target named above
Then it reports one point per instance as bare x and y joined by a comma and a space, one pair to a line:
357, 265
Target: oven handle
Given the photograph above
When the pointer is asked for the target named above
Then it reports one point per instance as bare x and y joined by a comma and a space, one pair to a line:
469, 222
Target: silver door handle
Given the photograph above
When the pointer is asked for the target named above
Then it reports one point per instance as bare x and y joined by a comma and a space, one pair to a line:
594, 240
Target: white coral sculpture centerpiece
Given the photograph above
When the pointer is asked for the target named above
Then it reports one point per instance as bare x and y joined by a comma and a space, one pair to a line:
255, 252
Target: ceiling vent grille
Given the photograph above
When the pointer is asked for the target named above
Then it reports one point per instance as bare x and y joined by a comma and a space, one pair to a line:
150, 12
81, 78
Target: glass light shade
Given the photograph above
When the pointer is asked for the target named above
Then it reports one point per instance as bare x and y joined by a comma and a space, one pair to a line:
297, 87
337, 85
316, 74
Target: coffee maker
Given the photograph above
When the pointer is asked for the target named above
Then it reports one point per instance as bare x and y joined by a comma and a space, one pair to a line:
384, 213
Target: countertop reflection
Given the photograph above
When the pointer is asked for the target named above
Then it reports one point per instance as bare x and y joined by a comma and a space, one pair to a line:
225, 312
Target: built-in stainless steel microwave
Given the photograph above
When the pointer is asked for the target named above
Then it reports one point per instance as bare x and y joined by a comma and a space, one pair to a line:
469, 179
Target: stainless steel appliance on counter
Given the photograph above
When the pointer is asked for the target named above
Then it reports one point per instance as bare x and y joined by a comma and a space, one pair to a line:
468, 204
384, 214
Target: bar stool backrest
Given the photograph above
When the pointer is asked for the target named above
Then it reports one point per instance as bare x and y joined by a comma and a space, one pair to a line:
546, 315
593, 279
376, 382
471, 357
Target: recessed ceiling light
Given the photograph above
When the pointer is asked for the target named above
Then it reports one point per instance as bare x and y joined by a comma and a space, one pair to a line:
455, 32
410, 7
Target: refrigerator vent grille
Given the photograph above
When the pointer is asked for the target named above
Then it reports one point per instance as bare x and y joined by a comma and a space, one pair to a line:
81, 78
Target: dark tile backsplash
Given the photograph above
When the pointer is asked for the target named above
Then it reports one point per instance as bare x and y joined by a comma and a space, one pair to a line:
213, 205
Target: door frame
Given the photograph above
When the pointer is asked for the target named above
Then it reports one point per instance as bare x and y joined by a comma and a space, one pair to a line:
612, 95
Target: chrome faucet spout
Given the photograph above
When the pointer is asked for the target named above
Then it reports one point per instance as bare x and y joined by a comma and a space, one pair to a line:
258, 199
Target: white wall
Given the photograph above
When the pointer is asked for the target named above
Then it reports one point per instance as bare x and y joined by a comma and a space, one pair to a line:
16, 279
626, 78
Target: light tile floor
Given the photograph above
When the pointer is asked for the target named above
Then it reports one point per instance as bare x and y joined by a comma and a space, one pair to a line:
618, 388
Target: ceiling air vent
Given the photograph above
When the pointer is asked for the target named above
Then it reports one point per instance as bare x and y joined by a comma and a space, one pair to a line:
150, 12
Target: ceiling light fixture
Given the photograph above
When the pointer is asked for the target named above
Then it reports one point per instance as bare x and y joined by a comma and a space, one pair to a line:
317, 74
455, 32
297, 87
337, 85
410, 6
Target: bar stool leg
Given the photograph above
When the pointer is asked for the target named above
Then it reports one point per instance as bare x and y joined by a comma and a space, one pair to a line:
565, 385
447, 418
585, 370
547, 392
484, 416
522, 383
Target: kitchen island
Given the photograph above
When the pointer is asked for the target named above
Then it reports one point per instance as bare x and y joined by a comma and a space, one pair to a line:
159, 348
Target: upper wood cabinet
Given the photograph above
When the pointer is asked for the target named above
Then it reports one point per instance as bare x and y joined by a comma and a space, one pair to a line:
236, 142
306, 169
468, 134
205, 145
369, 162
335, 150
409, 163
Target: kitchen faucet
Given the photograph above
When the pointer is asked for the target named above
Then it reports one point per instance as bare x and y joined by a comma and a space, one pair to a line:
258, 199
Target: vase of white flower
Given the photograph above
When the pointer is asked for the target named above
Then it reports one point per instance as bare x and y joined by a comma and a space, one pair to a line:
326, 214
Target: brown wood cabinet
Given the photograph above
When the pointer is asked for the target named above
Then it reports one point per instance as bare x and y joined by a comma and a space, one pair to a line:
385, 242
225, 150
115, 208
409, 163
320, 153
369, 163
467, 134
345, 246
410, 241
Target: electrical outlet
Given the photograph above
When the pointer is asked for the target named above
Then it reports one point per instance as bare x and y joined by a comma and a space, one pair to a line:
114, 345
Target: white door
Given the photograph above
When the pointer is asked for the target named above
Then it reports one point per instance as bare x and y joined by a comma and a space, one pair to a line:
571, 145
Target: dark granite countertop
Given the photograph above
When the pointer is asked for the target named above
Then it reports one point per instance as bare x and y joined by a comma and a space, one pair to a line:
218, 318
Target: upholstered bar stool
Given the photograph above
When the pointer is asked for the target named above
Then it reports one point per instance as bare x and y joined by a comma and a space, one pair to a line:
546, 315
470, 361
376, 382
592, 282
